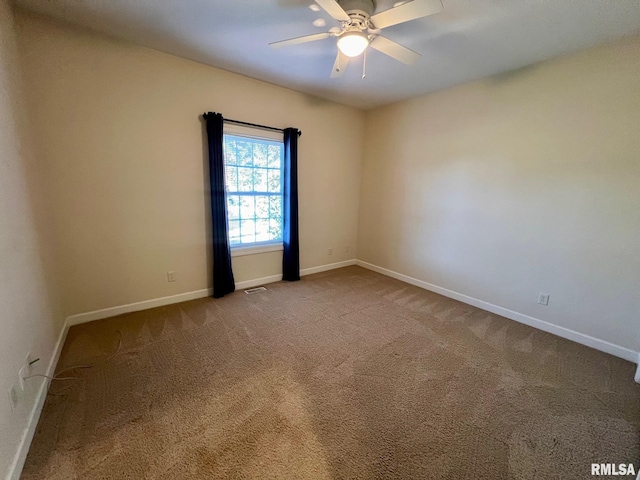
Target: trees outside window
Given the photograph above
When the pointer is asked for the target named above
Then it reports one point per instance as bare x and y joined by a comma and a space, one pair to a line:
253, 174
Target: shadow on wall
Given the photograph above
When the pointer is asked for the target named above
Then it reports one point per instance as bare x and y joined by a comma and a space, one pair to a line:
506, 77
315, 101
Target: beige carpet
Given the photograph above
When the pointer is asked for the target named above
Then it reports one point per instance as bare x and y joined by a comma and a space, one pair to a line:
345, 374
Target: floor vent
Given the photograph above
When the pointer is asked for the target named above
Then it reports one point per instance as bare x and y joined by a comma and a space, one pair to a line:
255, 290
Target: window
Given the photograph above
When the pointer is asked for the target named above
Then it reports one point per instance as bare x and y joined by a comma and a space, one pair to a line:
253, 162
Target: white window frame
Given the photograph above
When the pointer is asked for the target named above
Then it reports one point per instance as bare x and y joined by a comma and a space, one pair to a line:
259, 134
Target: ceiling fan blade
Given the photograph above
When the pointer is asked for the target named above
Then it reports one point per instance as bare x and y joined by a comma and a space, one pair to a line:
334, 9
305, 39
340, 65
395, 50
405, 12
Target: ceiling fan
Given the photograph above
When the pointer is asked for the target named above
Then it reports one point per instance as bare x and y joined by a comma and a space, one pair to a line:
360, 28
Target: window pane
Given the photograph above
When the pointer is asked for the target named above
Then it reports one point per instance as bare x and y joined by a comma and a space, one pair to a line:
234, 232
260, 154
233, 207
274, 156
231, 176
253, 181
274, 181
275, 229
275, 207
248, 231
245, 179
230, 151
260, 179
262, 230
244, 152
247, 208
262, 207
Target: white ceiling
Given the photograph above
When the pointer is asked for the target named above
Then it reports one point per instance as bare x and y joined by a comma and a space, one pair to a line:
469, 39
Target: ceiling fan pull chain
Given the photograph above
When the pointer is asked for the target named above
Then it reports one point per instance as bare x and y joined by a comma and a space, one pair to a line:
364, 65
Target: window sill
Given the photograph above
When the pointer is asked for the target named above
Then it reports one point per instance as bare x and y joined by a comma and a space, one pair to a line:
256, 249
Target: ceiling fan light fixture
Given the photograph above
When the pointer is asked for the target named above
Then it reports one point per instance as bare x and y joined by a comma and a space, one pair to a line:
353, 44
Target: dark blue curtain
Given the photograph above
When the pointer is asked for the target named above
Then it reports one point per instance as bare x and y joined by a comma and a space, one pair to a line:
291, 256
223, 282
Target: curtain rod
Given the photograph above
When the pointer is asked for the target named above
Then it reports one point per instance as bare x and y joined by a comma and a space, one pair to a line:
255, 125
265, 127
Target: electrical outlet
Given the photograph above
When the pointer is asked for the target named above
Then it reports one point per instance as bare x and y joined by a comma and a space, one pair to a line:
330, 252
171, 276
543, 299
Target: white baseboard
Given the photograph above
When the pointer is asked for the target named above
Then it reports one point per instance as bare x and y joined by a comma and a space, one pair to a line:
637, 376
134, 307
34, 416
563, 332
184, 297
327, 267
305, 271
258, 282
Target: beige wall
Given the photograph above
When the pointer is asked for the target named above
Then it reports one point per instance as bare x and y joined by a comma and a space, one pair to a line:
28, 322
500, 189
523, 183
122, 148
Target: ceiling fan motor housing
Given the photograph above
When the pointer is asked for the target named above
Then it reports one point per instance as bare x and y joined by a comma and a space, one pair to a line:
358, 9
